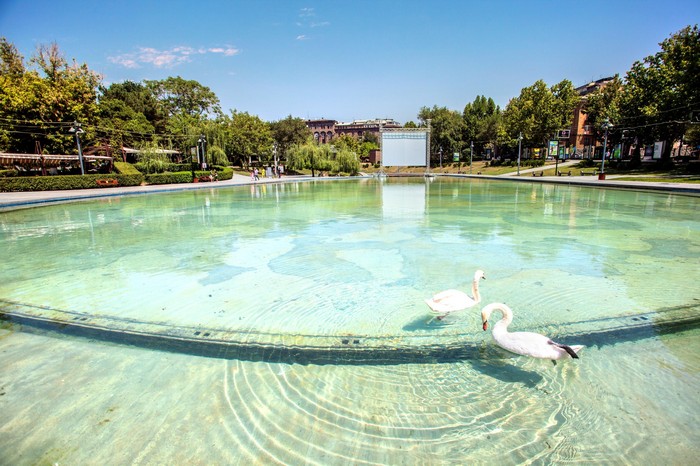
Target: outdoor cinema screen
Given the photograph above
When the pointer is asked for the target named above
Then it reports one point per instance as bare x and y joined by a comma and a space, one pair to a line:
404, 148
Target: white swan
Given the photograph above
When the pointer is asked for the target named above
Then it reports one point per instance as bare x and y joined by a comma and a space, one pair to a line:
525, 343
449, 301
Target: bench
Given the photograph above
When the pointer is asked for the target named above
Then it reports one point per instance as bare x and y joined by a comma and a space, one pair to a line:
537, 173
584, 173
107, 182
561, 174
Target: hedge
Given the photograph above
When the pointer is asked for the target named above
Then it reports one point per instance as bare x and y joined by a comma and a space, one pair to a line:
127, 176
224, 173
66, 182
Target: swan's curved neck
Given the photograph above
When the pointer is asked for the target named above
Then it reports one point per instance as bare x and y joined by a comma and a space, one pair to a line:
506, 312
475, 290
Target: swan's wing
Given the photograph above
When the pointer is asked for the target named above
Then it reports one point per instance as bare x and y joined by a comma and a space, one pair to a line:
529, 344
450, 301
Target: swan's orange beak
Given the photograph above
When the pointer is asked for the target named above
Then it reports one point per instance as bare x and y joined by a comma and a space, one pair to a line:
486, 325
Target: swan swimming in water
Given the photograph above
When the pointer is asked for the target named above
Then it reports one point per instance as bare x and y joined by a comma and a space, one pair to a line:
449, 301
525, 343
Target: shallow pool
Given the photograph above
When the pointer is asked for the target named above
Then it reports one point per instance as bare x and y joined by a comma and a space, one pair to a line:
286, 323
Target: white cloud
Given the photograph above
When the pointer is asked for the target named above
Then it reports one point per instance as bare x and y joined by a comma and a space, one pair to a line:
167, 58
306, 21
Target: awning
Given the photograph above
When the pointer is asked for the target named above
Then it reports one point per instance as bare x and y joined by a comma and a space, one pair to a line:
49, 160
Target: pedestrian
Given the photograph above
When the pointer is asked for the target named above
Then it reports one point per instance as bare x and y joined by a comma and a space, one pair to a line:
257, 177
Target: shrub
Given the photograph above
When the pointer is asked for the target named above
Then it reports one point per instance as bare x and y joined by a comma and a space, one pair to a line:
125, 168
170, 178
64, 182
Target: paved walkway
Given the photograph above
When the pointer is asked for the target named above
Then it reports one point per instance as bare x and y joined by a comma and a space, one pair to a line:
27, 199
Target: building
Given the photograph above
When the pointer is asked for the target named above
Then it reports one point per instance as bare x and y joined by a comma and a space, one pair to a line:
325, 131
582, 138
359, 128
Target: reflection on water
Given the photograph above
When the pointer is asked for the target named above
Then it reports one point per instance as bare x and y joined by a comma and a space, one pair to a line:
293, 275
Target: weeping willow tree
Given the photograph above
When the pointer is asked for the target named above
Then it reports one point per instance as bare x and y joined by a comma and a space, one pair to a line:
151, 159
311, 156
216, 156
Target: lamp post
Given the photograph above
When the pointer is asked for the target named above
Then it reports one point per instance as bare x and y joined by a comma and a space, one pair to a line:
202, 141
520, 146
78, 131
440, 156
471, 155
606, 126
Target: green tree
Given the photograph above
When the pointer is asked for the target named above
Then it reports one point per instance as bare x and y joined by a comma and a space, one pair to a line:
138, 98
120, 125
180, 96
447, 128
288, 132
662, 89
323, 157
40, 104
481, 123
539, 113
249, 137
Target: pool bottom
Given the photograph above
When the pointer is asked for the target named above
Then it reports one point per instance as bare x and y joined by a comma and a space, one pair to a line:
75, 401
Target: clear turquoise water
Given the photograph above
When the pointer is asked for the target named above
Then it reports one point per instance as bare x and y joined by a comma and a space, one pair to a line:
316, 266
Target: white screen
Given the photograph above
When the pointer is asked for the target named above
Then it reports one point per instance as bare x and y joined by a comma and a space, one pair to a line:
404, 149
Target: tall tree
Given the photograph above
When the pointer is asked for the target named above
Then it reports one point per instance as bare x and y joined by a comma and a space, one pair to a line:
539, 112
138, 98
46, 100
481, 119
662, 89
447, 128
288, 132
185, 97
249, 137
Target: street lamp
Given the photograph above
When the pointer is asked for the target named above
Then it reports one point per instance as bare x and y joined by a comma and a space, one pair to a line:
471, 154
78, 131
520, 146
202, 141
606, 126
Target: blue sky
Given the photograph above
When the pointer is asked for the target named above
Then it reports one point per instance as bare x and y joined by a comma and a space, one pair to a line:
348, 60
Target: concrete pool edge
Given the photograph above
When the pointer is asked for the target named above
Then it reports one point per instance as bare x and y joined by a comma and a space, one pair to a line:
341, 349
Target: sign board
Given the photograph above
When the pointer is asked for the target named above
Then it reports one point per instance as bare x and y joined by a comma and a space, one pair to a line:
564, 134
553, 148
455, 157
658, 149
404, 147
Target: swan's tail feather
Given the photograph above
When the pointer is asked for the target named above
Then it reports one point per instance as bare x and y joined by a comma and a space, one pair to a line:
568, 349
